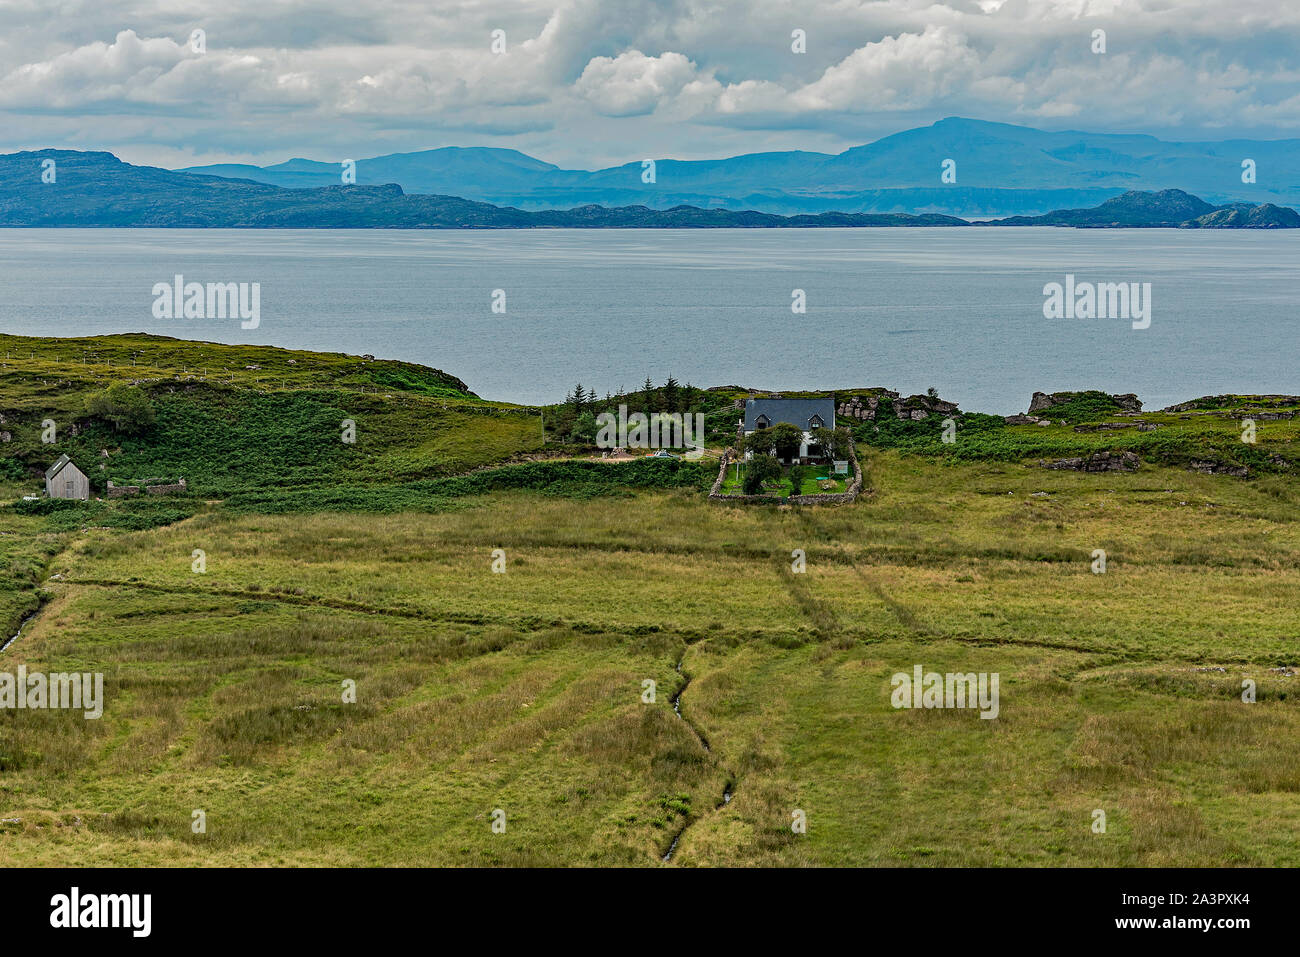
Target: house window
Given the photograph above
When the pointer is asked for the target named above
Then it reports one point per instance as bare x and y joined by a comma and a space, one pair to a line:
68, 485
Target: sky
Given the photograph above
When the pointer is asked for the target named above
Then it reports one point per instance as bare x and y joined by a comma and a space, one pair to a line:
594, 83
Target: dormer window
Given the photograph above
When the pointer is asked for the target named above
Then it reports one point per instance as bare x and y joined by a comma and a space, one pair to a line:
762, 422
815, 422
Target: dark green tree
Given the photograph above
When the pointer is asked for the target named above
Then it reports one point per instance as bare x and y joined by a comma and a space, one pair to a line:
760, 442
671, 394
127, 408
584, 429
760, 469
835, 443
786, 439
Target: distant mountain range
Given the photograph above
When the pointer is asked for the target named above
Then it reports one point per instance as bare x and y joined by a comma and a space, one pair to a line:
98, 189
1001, 170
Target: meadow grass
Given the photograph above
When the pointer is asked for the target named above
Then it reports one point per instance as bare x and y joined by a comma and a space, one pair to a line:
523, 690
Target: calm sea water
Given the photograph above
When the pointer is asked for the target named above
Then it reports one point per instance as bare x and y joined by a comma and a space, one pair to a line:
957, 309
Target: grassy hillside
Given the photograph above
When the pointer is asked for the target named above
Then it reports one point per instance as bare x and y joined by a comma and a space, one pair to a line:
1205, 430
246, 417
524, 690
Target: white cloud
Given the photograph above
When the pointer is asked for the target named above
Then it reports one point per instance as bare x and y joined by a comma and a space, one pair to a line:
589, 80
632, 83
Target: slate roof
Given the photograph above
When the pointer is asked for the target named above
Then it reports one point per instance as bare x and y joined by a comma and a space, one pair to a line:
795, 411
54, 469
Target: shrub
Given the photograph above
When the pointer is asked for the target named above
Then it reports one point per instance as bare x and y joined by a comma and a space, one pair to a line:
760, 469
126, 407
798, 474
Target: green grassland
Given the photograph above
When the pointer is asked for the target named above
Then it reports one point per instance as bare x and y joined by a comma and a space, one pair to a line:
733, 484
522, 690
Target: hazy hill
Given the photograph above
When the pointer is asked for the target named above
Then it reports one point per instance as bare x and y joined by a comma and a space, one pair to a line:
1165, 208
98, 189
1002, 170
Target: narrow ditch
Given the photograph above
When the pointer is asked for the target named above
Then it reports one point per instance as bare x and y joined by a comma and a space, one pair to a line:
21, 625
727, 789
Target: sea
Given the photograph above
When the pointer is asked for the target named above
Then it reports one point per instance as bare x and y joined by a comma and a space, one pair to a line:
526, 315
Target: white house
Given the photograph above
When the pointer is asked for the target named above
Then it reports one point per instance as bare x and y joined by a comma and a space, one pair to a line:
807, 414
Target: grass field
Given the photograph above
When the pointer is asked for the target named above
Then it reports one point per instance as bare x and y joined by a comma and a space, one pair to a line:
523, 690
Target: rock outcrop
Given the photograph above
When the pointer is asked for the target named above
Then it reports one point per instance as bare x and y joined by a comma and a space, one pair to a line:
1045, 400
861, 407
919, 407
1097, 462
1212, 467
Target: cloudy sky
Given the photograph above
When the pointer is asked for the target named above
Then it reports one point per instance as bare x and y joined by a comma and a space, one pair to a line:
591, 83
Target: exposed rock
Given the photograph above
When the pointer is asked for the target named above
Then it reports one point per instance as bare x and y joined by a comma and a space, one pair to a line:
1212, 467
1021, 419
919, 407
1097, 462
1044, 400
1041, 401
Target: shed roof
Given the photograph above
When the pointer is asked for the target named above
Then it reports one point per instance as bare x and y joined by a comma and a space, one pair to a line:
57, 467
795, 411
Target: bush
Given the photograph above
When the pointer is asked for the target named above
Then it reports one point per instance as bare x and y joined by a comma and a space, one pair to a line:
798, 473
760, 469
126, 407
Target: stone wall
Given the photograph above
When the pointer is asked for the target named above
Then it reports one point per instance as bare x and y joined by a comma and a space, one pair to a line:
165, 489
119, 491
722, 474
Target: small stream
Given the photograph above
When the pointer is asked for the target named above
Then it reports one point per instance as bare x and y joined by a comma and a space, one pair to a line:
18, 634
727, 789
